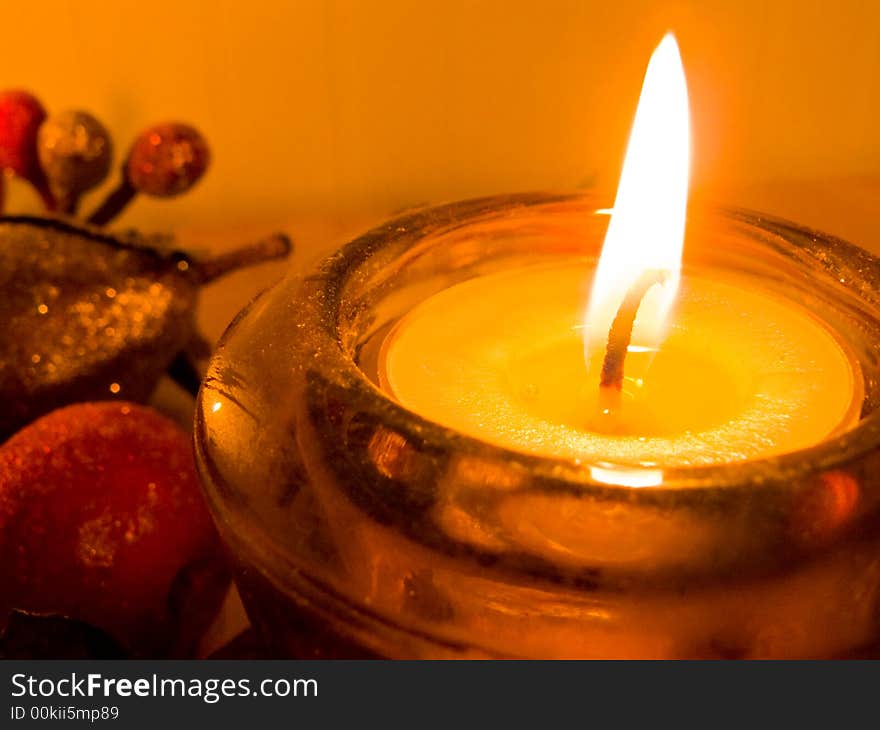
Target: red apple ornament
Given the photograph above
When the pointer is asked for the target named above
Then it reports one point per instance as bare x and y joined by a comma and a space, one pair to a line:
102, 521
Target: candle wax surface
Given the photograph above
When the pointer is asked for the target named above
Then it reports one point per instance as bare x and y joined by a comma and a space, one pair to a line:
742, 373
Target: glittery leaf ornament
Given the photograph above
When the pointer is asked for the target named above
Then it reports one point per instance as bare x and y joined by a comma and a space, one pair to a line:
91, 316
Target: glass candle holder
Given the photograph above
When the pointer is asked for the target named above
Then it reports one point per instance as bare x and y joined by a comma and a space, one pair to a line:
359, 528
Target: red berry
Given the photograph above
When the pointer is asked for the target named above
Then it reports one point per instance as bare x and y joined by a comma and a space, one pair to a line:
167, 160
100, 512
21, 115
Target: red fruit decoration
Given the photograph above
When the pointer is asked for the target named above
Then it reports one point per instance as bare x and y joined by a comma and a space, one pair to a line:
102, 521
21, 115
165, 160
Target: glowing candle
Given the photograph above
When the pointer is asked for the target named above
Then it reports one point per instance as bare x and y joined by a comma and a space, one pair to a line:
662, 369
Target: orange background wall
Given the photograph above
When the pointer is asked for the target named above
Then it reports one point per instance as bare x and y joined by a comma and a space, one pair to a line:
327, 116
328, 107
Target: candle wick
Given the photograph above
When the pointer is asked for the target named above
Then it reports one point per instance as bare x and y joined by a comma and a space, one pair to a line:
620, 334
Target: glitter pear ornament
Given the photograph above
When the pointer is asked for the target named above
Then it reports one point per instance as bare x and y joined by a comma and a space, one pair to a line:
90, 316
75, 152
102, 521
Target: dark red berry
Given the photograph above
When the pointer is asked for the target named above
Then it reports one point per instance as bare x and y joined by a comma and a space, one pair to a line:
167, 160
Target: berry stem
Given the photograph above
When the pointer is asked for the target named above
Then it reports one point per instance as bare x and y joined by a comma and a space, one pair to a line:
275, 246
113, 204
67, 204
41, 185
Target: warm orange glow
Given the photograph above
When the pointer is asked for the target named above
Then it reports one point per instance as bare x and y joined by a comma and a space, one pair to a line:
500, 357
647, 223
626, 477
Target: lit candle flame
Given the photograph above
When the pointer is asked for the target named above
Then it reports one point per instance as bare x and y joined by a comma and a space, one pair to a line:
646, 231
